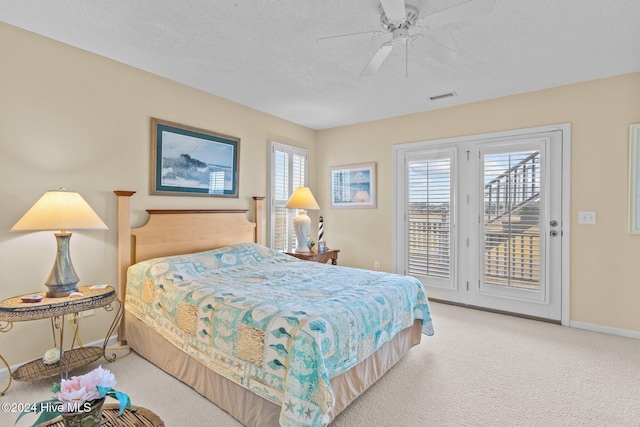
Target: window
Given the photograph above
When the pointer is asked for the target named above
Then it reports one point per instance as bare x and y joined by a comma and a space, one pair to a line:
287, 171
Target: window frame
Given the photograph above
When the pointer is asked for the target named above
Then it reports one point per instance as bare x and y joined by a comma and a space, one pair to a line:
274, 147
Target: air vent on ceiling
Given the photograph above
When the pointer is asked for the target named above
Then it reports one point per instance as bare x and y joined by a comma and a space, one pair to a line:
444, 95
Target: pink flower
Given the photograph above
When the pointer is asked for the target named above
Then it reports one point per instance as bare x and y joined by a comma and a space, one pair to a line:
85, 387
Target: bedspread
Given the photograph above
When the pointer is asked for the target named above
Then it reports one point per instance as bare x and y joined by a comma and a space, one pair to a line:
278, 326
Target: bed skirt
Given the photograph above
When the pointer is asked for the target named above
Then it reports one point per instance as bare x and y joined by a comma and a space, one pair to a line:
245, 406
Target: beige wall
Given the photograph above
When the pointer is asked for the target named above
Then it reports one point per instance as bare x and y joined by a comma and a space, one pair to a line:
73, 119
605, 284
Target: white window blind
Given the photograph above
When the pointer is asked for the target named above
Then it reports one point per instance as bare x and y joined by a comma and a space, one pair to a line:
288, 171
429, 217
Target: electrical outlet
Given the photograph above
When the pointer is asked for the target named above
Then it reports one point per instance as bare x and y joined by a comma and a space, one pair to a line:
87, 313
376, 265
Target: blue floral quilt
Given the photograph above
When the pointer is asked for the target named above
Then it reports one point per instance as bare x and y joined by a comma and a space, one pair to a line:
278, 326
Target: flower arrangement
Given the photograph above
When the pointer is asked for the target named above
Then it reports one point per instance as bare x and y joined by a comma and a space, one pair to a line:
310, 243
79, 394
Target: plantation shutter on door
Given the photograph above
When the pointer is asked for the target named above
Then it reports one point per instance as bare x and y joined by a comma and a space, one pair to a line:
430, 226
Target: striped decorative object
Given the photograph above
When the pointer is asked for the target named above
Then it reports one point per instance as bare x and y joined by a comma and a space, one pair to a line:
321, 230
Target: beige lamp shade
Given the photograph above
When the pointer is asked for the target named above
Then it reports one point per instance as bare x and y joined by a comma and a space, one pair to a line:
302, 198
60, 210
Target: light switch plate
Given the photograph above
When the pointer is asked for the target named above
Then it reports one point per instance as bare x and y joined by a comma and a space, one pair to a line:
586, 217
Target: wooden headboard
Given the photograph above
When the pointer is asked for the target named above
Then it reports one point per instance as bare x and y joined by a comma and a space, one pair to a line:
173, 232
179, 231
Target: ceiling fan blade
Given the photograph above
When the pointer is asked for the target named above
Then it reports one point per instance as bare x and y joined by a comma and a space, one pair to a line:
456, 13
394, 9
377, 60
353, 36
438, 51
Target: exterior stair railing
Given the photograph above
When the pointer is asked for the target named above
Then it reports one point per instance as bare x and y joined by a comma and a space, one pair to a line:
512, 189
512, 246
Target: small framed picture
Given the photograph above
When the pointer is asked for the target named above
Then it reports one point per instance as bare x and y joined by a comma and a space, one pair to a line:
353, 186
322, 247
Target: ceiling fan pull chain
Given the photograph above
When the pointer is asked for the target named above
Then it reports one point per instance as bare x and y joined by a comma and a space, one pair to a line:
406, 65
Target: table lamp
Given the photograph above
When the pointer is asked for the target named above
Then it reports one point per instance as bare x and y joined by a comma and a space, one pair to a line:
302, 199
60, 210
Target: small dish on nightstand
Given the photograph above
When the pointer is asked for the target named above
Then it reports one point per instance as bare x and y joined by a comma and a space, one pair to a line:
32, 298
52, 356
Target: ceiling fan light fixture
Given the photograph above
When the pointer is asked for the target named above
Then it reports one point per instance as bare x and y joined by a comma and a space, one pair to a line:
401, 34
401, 20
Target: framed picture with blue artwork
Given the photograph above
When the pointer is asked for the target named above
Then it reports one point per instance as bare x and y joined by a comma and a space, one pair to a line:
186, 161
634, 179
353, 186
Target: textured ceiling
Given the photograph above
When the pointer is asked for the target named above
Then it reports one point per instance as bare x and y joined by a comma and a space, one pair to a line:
265, 54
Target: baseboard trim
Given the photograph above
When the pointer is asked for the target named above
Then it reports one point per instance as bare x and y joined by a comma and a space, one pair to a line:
605, 329
572, 323
4, 372
491, 310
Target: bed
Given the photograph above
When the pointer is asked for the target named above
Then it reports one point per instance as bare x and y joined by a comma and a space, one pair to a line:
270, 339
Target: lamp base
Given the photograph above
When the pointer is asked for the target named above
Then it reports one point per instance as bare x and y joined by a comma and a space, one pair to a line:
58, 293
301, 225
63, 279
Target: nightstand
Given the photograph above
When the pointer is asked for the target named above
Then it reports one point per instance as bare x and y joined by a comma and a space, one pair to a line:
321, 257
15, 310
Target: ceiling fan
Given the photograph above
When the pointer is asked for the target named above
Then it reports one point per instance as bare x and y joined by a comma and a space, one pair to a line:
404, 23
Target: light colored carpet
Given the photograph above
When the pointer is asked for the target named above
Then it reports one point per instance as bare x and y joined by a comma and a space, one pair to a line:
480, 369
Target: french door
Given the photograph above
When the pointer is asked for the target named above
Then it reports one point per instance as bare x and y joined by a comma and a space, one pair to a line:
479, 220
